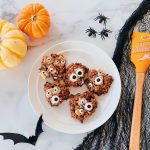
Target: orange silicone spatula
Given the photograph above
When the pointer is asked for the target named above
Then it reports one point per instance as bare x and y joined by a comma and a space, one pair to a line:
140, 57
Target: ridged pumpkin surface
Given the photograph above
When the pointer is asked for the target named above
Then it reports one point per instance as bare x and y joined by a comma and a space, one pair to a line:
34, 20
13, 45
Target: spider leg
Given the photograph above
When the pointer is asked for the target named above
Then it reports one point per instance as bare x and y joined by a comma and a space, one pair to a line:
109, 31
100, 14
105, 21
87, 30
94, 35
102, 36
96, 18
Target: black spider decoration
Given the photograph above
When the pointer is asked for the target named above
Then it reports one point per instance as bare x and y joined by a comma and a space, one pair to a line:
91, 32
104, 33
101, 19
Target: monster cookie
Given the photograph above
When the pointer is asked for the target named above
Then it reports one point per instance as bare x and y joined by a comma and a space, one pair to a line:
98, 82
82, 105
56, 93
75, 74
53, 66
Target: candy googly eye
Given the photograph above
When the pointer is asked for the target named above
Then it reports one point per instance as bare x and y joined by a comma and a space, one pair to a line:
63, 62
56, 90
73, 77
48, 93
56, 62
48, 60
79, 72
100, 73
43, 74
55, 99
52, 70
99, 80
81, 111
88, 106
90, 85
82, 101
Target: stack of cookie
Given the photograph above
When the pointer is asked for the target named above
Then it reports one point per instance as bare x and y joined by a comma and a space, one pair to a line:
82, 105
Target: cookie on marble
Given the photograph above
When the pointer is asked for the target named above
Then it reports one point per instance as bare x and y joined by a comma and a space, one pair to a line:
75, 74
82, 105
98, 82
56, 93
53, 65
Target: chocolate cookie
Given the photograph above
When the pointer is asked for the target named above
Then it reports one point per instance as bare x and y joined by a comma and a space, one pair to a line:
98, 82
53, 66
75, 74
56, 93
82, 105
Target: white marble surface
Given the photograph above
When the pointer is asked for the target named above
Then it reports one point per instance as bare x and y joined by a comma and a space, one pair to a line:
70, 19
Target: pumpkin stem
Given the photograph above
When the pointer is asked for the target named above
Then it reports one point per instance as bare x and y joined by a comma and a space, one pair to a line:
33, 18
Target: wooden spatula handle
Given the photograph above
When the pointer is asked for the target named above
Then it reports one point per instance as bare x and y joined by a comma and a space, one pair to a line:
137, 111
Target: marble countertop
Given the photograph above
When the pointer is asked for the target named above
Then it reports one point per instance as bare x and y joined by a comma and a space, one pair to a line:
70, 19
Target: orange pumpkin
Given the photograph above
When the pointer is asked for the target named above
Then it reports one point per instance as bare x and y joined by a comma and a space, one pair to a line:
34, 20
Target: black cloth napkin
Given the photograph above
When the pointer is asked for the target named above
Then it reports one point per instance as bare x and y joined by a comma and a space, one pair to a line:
115, 133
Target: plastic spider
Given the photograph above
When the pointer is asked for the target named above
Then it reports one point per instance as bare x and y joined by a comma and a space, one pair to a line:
104, 33
101, 18
91, 32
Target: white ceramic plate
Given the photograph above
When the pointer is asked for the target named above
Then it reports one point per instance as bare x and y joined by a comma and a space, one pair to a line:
59, 118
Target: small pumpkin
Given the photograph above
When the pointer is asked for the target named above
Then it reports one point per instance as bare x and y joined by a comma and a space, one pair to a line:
13, 45
34, 20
